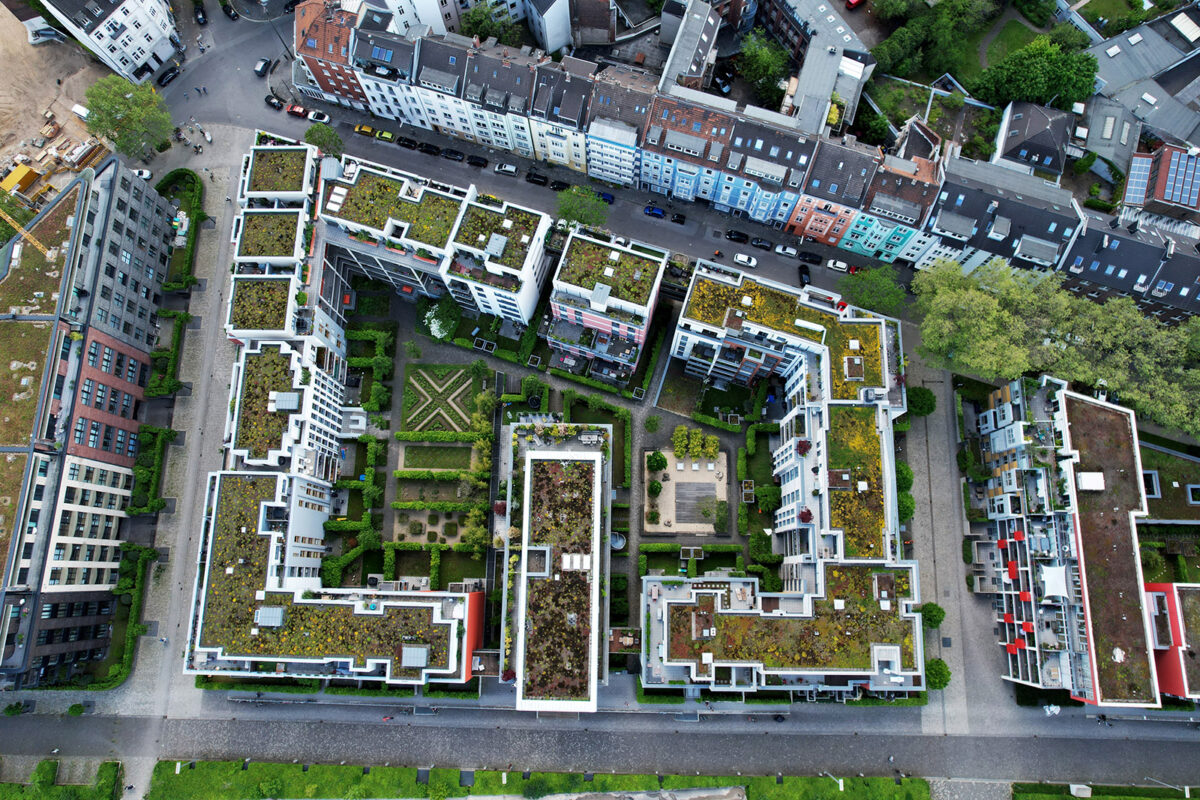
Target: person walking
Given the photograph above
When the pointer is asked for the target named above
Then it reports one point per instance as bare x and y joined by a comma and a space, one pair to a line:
204, 89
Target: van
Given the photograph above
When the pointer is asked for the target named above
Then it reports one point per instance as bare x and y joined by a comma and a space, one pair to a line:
80, 111
506, 169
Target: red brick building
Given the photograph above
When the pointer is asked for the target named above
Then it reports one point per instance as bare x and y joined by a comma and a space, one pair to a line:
323, 48
109, 392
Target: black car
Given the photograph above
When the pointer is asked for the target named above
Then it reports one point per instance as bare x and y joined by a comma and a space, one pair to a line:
736, 236
678, 219
406, 143
809, 257
274, 102
805, 275
230, 12
198, 12
429, 149
537, 178
761, 243
168, 76
477, 161
559, 186
454, 155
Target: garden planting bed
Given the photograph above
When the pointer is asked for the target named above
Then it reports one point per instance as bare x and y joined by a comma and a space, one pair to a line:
436, 456
438, 398
259, 430
278, 170
267, 234
259, 304
32, 286
854, 447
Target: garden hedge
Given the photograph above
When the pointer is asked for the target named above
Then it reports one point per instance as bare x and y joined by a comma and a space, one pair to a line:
437, 505
658, 547
705, 419
148, 470
752, 435
164, 375
441, 436
371, 488
192, 202
381, 364
141, 558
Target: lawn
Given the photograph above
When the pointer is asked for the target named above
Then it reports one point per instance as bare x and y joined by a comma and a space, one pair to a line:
679, 392
24, 345
412, 562
1109, 9
580, 413
734, 398
460, 566
437, 456
899, 100
1012, 37
439, 398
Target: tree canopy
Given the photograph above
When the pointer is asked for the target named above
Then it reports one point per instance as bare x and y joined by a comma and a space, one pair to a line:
131, 117
921, 401
580, 204
932, 615
1041, 72
325, 139
934, 39
876, 289
937, 674
478, 21
762, 62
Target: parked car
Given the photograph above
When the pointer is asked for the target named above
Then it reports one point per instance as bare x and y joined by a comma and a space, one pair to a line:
840, 266
537, 178
784, 250
429, 149
297, 111
853, 4
230, 12
654, 211
506, 169
260, 68
606, 197
274, 102
198, 13
804, 275
453, 155
477, 161
809, 257
144, 174
854, 269
364, 130
407, 143
559, 186
723, 86
736, 236
385, 136
679, 219
744, 260
761, 243
318, 116
168, 76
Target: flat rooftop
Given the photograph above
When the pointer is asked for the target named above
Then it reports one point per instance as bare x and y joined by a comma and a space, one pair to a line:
631, 276
1189, 607
31, 285
373, 199
1175, 473
277, 169
854, 450
517, 226
1109, 557
259, 430
259, 304
268, 234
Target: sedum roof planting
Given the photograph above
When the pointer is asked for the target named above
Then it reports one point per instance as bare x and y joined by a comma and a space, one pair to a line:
259, 305
373, 199
278, 170
480, 222
258, 430
32, 284
585, 262
267, 234
854, 446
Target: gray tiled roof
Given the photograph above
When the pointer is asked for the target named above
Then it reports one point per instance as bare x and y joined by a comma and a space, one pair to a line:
87, 14
1035, 136
504, 83
623, 94
695, 39
442, 62
841, 174
560, 97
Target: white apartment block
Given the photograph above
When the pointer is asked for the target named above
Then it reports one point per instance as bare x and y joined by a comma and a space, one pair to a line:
612, 151
84, 548
133, 38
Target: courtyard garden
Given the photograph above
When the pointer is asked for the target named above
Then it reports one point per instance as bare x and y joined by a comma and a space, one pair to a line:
439, 398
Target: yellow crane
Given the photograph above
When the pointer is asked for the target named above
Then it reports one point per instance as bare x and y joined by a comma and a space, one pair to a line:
22, 232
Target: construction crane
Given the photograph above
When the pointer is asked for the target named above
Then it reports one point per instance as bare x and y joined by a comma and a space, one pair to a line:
24, 233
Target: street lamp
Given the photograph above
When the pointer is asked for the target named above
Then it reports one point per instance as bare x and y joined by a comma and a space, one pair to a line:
841, 784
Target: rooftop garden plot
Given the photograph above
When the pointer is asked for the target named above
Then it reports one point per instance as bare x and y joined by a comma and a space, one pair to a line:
1172, 468
1104, 439
258, 429
479, 223
31, 285
268, 234
587, 263
374, 199
24, 345
853, 445
832, 639
438, 398
1189, 605
278, 170
558, 609
712, 301
259, 305
310, 629
12, 471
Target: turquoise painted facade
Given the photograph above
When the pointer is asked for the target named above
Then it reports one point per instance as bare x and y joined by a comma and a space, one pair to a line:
876, 237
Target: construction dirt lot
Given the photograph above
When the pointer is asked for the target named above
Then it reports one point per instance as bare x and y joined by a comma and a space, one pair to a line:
49, 76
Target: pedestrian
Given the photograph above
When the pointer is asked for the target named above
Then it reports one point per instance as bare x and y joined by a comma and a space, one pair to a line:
891, 759
197, 88
387, 719
228, 199
204, 89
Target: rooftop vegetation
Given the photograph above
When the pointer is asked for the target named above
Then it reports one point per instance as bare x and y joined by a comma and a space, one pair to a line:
268, 233
310, 629
479, 223
24, 345
278, 170
585, 262
1172, 469
853, 444
1104, 439
259, 305
830, 639
260, 430
373, 199
31, 285
1189, 604
12, 471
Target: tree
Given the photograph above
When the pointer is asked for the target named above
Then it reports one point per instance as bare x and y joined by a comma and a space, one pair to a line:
580, 204
679, 441
932, 615
1153, 562
475, 533
1068, 37
325, 138
904, 477
937, 674
906, 506
131, 117
1040, 72
651, 423
921, 401
763, 62
769, 497
479, 21
656, 462
892, 9
443, 318
654, 489
15, 210
876, 289
695, 443
712, 447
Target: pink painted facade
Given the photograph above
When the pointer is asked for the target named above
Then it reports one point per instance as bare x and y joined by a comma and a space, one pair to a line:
824, 221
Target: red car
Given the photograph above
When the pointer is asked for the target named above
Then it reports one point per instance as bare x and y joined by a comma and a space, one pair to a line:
852, 4
297, 111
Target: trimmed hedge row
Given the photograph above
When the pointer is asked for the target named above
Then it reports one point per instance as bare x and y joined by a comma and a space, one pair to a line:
439, 436
164, 377
192, 202
139, 558
436, 505
148, 470
333, 567
297, 686
705, 419
371, 488
752, 435
445, 475
381, 364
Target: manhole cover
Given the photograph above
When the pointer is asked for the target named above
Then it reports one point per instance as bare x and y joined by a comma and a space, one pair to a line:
945, 641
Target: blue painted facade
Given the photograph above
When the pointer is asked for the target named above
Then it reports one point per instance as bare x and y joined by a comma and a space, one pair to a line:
875, 237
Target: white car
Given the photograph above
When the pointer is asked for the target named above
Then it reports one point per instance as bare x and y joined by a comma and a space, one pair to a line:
318, 116
144, 174
784, 250
745, 260
840, 266
506, 169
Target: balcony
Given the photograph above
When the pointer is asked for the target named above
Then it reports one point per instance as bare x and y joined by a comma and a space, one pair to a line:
570, 334
470, 269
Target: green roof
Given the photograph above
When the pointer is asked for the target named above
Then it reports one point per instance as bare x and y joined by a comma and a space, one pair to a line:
259, 304
258, 430
30, 285
277, 170
268, 233
854, 446
373, 199
480, 222
586, 261
24, 345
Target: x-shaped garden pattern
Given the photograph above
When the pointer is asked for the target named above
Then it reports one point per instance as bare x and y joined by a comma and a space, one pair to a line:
437, 399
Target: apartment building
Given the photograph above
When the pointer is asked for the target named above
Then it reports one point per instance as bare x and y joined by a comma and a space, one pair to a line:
133, 38
682, 148
837, 529
549, 22
896, 208
80, 347
322, 69
616, 117
1060, 555
558, 112
838, 179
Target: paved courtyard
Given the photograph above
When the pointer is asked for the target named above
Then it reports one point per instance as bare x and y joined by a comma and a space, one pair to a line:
689, 487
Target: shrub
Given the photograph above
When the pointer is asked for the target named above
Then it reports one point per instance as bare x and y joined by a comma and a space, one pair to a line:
76, 710
921, 401
760, 549
691, 568
653, 517
643, 566
1153, 562
656, 462
651, 423
721, 519
654, 489
1084, 164
743, 519
906, 506
904, 477
932, 615
937, 674
14, 709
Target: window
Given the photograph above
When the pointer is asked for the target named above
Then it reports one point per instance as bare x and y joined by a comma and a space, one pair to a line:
85, 393
93, 350
94, 435
80, 427
106, 364
101, 393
